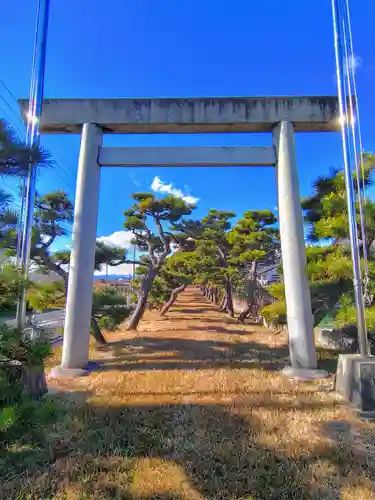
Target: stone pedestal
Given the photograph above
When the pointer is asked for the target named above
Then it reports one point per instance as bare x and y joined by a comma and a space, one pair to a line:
61, 372
355, 380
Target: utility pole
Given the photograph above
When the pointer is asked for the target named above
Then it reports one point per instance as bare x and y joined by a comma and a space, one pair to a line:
32, 141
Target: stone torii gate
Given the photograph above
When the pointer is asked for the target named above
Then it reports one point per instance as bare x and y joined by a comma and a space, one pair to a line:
281, 116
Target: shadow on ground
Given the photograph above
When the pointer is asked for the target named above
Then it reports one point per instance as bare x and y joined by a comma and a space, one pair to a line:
176, 452
152, 353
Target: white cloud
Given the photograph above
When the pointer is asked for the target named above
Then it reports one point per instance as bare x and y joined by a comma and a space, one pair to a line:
158, 186
354, 63
125, 269
120, 239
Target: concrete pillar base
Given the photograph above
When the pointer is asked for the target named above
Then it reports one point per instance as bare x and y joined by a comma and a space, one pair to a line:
304, 373
61, 372
355, 380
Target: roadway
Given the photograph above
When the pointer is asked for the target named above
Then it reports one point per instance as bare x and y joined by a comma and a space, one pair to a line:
50, 321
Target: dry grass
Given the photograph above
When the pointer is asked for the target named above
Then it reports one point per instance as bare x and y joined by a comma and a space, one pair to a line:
194, 407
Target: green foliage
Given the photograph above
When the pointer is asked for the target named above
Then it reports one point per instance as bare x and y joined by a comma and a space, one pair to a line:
227, 257
47, 295
15, 157
146, 219
213, 246
179, 269
148, 209
21, 420
15, 346
108, 255
160, 291
329, 266
277, 290
7, 418
24, 426
254, 238
326, 209
110, 308
275, 313
346, 319
8, 217
10, 281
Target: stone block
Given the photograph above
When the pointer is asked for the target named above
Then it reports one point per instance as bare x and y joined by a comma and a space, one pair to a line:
355, 380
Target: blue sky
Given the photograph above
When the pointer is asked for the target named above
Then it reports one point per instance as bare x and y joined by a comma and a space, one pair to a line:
184, 48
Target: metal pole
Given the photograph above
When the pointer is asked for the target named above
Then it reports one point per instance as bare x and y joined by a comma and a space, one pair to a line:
350, 194
20, 220
23, 181
358, 158
32, 140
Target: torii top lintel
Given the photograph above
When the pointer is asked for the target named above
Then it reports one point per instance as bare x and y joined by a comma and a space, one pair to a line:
188, 115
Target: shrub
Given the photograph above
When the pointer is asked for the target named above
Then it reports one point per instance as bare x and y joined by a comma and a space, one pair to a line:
21, 365
110, 308
275, 313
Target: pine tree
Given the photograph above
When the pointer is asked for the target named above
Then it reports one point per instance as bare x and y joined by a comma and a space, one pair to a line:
52, 217
15, 157
146, 219
211, 234
254, 240
177, 273
329, 262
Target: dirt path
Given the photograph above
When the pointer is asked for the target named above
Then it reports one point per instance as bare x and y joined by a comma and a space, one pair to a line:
194, 407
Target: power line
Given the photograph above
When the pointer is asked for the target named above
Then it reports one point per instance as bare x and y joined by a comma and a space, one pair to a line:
11, 109
8, 90
10, 121
61, 171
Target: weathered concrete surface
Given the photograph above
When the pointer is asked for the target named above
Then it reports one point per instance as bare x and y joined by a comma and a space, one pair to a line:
293, 250
82, 259
355, 380
188, 115
220, 156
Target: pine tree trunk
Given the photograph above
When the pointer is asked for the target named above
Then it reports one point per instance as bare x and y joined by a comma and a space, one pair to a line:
216, 296
224, 302
175, 293
142, 301
96, 331
30, 379
244, 314
229, 305
253, 294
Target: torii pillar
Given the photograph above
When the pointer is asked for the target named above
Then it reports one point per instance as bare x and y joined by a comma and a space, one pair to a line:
297, 293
